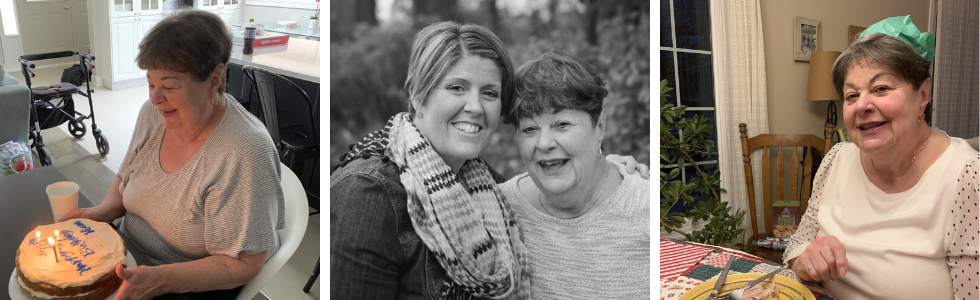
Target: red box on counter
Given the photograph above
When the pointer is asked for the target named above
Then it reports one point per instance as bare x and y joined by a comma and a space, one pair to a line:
268, 39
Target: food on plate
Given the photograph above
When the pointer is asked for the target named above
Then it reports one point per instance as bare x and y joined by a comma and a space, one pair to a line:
70, 260
761, 291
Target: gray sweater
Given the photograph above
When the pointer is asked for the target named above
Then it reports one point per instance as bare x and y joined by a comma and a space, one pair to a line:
227, 199
602, 254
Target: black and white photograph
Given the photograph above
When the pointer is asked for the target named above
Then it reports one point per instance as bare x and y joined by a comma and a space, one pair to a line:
490, 149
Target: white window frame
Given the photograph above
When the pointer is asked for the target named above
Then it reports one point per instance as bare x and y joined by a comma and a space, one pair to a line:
304, 4
677, 93
9, 16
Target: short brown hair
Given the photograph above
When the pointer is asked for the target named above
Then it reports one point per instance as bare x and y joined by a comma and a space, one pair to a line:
191, 41
888, 52
439, 46
556, 81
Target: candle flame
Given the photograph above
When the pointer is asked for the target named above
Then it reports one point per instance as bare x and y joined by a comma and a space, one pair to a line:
51, 241
56, 234
37, 234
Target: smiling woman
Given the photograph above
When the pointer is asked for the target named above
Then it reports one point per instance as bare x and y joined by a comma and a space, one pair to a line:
462, 110
199, 186
414, 211
585, 220
881, 224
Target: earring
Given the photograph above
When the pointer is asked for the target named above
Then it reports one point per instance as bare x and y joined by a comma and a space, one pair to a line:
418, 114
214, 100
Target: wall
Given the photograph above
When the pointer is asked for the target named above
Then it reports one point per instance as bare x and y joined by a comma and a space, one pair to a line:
275, 14
789, 112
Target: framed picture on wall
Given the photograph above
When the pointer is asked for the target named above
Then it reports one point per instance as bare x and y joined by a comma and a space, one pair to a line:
853, 32
806, 38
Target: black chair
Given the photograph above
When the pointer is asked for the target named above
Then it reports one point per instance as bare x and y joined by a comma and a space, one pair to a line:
295, 139
237, 85
281, 107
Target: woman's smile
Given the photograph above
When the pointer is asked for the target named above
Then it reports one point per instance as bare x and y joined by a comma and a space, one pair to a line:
552, 165
869, 128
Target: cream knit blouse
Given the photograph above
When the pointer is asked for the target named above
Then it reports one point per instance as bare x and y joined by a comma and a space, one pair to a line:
916, 244
602, 254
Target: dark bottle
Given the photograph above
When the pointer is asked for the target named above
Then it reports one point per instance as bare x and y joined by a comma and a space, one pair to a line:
249, 46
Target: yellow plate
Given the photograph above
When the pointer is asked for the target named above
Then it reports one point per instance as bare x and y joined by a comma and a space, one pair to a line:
789, 289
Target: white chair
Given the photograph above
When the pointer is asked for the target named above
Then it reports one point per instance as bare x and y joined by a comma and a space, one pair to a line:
297, 216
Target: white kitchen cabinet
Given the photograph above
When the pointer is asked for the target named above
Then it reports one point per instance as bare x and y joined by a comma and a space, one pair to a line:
125, 35
217, 4
131, 8
229, 10
231, 17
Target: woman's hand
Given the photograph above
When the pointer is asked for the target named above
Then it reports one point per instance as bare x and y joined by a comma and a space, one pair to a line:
824, 260
90, 213
139, 283
631, 165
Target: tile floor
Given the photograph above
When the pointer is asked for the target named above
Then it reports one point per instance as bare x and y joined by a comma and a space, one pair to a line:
115, 115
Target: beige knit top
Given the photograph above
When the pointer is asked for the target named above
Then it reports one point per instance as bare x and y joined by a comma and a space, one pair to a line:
602, 254
916, 244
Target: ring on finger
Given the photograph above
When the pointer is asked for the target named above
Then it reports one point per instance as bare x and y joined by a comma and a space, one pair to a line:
808, 269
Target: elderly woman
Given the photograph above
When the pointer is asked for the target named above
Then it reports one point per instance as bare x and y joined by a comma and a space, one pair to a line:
894, 214
199, 186
586, 222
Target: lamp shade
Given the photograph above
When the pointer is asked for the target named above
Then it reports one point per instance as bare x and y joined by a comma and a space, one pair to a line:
820, 86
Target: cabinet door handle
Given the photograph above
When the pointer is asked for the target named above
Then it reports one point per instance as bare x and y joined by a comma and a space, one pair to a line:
66, 7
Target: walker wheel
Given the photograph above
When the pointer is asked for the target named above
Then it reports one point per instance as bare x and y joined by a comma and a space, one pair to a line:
102, 144
43, 156
77, 129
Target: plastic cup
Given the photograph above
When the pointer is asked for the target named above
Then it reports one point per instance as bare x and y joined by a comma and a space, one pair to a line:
63, 196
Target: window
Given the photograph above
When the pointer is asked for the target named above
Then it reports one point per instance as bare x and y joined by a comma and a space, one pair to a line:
685, 61
9, 18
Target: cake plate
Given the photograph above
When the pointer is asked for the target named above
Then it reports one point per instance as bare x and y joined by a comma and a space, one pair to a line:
14, 289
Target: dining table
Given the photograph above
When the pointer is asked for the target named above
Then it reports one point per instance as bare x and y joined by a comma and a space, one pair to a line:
684, 265
24, 205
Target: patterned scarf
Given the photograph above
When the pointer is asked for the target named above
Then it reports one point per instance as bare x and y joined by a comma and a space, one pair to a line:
471, 231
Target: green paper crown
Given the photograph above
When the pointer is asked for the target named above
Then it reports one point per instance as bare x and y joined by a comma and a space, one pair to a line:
902, 28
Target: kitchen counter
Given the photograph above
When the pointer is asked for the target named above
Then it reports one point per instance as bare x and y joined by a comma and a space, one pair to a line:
299, 58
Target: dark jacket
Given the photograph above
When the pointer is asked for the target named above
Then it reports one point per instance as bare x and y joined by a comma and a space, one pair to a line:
374, 250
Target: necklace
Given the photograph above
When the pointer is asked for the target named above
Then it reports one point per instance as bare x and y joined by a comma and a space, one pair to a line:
910, 163
593, 202
205, 131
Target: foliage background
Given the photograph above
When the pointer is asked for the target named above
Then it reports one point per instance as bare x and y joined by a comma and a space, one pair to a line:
370, 43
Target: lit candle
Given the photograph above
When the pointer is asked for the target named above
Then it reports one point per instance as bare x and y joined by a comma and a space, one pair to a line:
53, 249
57, 236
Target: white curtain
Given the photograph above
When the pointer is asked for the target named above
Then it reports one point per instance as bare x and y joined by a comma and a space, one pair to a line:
740, 94
957, 68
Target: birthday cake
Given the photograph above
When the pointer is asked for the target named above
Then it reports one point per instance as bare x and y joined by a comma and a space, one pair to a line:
84, 267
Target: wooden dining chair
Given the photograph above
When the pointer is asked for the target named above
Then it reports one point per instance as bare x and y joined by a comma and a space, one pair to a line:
779, 142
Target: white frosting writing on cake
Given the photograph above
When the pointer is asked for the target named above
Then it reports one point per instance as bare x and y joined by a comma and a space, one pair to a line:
85, 255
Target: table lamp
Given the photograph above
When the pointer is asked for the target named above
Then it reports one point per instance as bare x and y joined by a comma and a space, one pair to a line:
820, 86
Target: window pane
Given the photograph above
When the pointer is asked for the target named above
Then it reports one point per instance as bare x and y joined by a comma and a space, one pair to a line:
697, 87
665, 39
667, 72
710, 115
692, 23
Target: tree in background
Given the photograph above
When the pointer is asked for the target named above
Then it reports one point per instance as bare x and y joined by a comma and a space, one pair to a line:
369, 63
